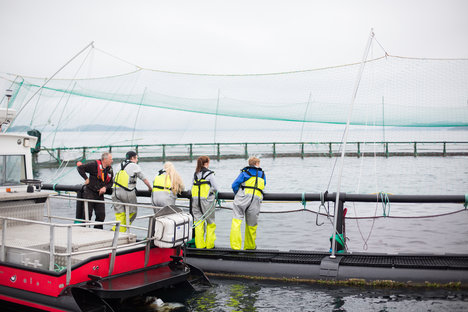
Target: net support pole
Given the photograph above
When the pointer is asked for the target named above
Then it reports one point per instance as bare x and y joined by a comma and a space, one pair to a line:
345, 139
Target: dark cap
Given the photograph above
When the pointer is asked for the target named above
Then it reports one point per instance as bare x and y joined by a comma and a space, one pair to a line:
130, 154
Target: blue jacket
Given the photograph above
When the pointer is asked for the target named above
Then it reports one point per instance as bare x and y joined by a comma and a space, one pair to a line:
243, 176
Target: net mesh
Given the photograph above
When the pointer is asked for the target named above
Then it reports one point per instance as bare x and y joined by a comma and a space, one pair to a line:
393, 92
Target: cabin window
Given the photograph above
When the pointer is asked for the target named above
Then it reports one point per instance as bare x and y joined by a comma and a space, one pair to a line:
12, 169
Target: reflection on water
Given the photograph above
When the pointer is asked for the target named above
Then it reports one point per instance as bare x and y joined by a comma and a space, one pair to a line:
247, 295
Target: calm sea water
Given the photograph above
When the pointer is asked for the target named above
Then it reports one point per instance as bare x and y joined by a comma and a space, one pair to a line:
298, 230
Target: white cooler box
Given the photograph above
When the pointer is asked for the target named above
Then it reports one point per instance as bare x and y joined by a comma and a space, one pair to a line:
172, 230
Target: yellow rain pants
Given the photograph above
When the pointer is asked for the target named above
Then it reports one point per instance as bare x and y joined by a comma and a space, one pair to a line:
236, 237
250, 236
120, 216
210, 235
200, 235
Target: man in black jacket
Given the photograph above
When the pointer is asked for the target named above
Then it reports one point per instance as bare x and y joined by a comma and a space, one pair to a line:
100, 180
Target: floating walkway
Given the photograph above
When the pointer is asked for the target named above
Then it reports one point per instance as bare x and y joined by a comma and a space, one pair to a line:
183, 152
366, 268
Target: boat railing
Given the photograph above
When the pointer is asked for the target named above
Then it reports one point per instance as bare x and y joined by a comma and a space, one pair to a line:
86, 212
69, 253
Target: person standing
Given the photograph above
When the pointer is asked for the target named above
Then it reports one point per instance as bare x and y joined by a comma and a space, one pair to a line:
97, 184
203, 203
248, 190
125, 189
166, 186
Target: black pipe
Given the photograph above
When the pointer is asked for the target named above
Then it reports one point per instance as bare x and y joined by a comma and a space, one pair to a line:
345, 197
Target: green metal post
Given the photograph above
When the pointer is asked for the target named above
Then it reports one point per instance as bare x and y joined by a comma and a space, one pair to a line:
445, 149
246, 153
110, 149
386, 149
136, 149
218, 153
191, 151
302, 150
84, 152
274, 150
415, 150
164, 152
330, 153
358, 149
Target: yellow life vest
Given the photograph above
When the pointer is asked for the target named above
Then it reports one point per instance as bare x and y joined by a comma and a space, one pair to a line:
255, 184
162, 182
201, 187
122, 178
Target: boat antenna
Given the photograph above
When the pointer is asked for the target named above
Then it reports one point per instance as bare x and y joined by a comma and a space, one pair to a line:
91, 44
345, 137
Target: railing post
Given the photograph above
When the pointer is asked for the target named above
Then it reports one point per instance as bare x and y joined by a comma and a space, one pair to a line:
415, 149
69, 251
49, 216
3, 250
302, 150
191, 151
246, 153
127, 219
340, 241
149, 237
274, 150
218, 152
330, 153
84, 152
52, 248
164, 152
110, 149
445, 149
136, 149
86, 212
386, 149
114, 247
358, 149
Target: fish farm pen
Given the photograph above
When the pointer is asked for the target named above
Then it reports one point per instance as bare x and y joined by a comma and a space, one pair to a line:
162, 152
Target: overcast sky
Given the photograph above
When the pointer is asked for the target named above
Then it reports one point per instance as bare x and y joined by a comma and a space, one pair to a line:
37, 37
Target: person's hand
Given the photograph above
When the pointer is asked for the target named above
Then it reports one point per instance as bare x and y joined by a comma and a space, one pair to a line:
102, 190
150, 189
86, 182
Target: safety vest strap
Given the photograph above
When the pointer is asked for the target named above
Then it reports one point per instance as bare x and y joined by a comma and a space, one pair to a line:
201, 187
124, 187
123, 165
162, 182
196, 183
252, 187
161, 187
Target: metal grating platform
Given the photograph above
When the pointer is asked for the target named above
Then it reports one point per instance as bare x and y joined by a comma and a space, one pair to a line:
427, 262
298, 258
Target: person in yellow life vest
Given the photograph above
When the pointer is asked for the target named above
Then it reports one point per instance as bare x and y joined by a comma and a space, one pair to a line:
166, 186
203, 203
125, 189
248, 188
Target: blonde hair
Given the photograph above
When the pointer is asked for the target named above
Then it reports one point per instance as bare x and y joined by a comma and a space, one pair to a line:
254, 161
176, 180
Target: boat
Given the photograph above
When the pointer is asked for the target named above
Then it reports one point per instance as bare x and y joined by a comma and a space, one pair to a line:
63, 264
